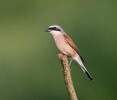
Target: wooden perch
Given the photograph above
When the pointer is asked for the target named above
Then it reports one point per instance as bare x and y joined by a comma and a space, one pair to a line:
67, 77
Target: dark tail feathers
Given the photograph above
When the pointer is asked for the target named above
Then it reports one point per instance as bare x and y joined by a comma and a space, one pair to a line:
89, 76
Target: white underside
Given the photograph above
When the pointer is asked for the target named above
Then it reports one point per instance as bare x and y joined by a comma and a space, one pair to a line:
79, 61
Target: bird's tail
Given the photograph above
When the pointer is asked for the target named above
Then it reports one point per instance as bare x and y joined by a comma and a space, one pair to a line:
79, 61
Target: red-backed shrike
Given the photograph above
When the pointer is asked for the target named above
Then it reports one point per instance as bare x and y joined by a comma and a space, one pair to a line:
66, 46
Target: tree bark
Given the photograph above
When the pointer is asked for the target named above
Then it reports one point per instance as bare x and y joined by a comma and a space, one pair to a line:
67, 77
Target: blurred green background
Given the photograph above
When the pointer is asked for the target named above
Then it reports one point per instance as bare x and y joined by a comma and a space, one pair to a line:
29, 66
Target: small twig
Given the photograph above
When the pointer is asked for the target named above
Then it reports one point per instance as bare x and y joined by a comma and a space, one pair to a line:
67, 77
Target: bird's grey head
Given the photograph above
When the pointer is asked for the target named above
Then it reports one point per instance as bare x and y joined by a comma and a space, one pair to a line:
54, 29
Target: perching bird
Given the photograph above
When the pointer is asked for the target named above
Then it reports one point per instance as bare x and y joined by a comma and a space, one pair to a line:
66, 46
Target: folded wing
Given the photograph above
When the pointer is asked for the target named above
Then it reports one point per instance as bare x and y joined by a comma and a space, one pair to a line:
72, 44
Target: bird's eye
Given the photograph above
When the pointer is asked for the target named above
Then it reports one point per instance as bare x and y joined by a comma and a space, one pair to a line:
54, 28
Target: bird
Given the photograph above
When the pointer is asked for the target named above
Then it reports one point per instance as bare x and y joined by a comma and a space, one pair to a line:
67, 47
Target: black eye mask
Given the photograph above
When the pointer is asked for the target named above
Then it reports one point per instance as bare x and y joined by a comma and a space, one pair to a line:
54, 28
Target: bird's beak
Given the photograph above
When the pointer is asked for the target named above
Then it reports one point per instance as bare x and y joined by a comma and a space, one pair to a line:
47, 30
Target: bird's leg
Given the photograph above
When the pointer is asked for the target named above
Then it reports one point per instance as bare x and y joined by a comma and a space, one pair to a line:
70, 61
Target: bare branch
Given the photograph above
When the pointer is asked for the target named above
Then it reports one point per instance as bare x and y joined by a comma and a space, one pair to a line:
67, 77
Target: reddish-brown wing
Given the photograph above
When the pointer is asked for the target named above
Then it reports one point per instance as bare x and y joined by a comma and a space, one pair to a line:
72, 44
